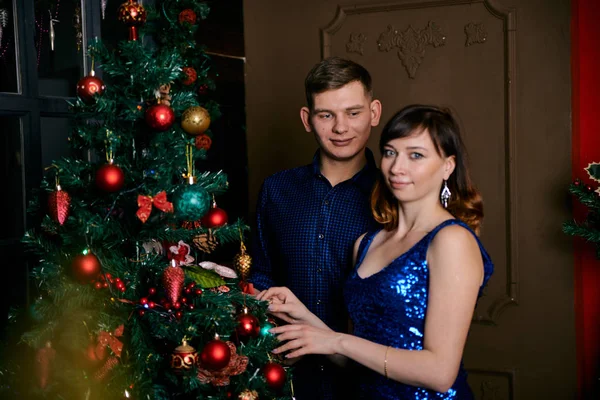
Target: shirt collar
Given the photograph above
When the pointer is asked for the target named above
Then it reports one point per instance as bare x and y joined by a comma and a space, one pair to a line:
363, 178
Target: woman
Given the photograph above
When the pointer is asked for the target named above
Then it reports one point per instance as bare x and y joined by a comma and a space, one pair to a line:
415, 282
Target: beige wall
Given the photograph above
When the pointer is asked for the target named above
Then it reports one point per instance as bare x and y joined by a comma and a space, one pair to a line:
512, 94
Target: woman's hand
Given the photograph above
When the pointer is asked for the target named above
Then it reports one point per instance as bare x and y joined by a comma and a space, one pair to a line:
286, 306
305, 339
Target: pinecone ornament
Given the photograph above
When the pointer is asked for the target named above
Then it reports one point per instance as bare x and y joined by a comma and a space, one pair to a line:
242, 262
58, 205
173, 278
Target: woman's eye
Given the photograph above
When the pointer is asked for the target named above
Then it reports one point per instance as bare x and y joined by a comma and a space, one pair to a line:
389, 153
416, 156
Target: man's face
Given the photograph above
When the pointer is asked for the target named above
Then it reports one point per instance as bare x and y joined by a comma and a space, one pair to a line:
341, 121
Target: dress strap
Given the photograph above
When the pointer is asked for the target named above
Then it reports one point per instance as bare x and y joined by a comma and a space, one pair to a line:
365, 243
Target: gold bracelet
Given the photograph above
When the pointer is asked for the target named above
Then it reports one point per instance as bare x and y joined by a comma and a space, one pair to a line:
385, 362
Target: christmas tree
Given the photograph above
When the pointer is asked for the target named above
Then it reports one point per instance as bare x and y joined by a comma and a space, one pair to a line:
122, 300
589, 229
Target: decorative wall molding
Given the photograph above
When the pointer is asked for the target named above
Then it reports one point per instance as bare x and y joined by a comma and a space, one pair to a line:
356, 43
493, 384
476, 33
411, 44
508, 17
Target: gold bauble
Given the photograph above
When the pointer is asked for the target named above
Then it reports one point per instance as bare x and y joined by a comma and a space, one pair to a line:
195, 120
243, 262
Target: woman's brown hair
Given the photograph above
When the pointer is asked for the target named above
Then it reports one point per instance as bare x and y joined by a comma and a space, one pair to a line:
465, 203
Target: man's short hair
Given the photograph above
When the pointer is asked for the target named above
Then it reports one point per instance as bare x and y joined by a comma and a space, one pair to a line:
333, 73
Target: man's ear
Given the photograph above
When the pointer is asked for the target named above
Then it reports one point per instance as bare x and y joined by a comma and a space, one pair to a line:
375, 112
449, 166
305, 117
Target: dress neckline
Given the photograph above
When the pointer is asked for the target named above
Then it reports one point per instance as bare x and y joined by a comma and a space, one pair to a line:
408, 251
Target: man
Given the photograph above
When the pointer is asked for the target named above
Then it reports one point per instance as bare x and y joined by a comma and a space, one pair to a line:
309, 217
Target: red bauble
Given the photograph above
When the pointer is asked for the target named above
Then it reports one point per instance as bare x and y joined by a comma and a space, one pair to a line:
160, 117
188, 16
248, 326
215, 355
203, 89
110, 178
85, 267
132, 14
214, 218
89, 86
274, 375
58, 205
190, 76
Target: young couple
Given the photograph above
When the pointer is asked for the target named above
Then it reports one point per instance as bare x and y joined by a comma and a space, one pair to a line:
395, 249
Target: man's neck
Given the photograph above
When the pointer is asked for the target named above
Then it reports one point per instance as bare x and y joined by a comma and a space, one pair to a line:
339, 171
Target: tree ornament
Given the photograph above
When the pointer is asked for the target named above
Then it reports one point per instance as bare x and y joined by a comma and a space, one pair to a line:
205, 242
52, 33
132, 14
172, 279
163, 94
195, 120
190, 76
577, 182
43, 361
248, 325
237, 364
187, 16
160, 117
215, 217
248, 394
192, 202
145, 204
215, 355
85, 267
58, 204
103, 372
203, 141
275, 375
110, 178
90, 86
184, 357
242, 262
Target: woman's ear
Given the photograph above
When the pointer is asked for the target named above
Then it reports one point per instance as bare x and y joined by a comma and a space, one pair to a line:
449, 166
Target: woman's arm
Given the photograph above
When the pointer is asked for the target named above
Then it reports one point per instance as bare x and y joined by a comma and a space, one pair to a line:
456, 272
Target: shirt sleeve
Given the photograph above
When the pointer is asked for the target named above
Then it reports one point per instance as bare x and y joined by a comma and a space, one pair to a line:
262, 270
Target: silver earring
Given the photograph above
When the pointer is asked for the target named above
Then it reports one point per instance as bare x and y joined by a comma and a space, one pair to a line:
445, 196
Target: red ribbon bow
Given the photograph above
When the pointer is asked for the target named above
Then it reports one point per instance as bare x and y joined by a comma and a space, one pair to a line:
145, 204
110, 339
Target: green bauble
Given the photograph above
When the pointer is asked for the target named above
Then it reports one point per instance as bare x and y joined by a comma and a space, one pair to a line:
192, 202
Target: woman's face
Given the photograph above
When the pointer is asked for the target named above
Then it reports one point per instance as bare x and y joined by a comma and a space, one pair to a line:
412, 168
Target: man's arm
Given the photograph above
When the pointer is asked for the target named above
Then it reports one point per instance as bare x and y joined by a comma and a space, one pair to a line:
262, 270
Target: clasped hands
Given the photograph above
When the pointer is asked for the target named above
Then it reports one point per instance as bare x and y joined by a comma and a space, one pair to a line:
306, 333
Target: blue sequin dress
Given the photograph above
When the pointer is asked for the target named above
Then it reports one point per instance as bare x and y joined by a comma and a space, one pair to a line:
389, 308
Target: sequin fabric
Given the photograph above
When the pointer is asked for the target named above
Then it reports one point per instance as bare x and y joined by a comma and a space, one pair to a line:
389, 308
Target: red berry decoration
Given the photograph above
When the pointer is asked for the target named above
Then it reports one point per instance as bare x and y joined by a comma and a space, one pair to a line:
88, 87
110, 178
85, 267
187, 16
160, 117
274, 375
215, 355
58, 205
132, 14
248, 325
190, 76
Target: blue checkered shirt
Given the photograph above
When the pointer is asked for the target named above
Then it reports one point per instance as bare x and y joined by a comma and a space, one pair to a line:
304, 238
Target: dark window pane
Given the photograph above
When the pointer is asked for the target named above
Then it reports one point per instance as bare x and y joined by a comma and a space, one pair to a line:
11, 176
55, 143
59, 46
8, 53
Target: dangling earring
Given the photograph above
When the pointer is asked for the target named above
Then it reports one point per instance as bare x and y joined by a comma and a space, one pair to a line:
445, 196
